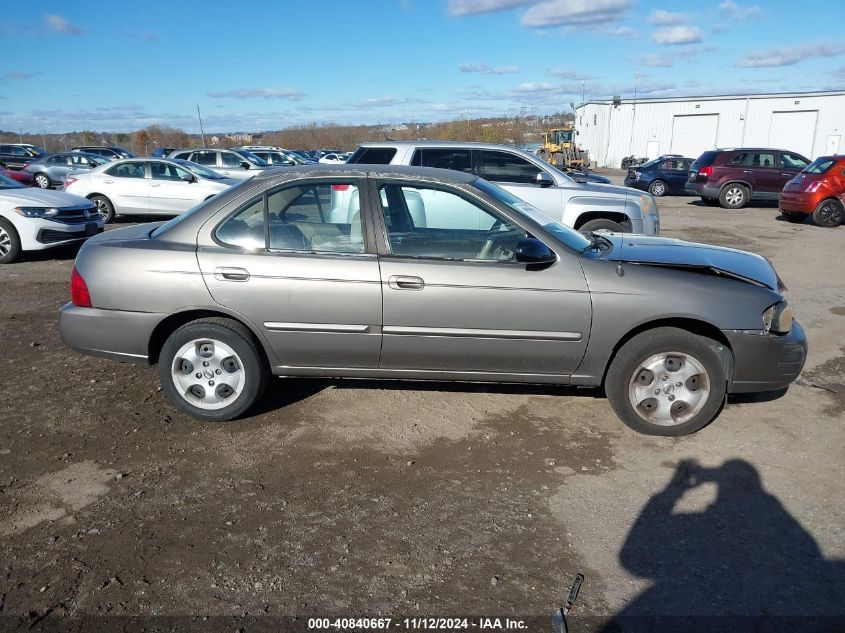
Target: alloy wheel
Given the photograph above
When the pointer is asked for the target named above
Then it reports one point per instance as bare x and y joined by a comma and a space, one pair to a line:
5, 242
734, 196
658, 189
669, 388
42, 181
208, 374
102, 208
831, 214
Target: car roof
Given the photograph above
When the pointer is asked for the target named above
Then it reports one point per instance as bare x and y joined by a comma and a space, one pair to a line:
445, 144
751, 149
363, 170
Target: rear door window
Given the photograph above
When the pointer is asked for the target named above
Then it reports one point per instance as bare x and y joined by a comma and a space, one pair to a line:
230, 159
763, 159
205, 158
128, 170
444, 158
499, 166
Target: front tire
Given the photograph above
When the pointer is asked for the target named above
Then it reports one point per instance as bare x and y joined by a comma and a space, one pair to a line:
10, 243
104, 207
604, 223
667, 381
212, 369
658, 188
734, 196
830, 213
42, 181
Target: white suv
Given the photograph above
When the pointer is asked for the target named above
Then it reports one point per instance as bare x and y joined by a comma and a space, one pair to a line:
584, 206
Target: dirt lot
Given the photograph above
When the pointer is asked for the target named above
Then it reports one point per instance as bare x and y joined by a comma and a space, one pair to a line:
340, 498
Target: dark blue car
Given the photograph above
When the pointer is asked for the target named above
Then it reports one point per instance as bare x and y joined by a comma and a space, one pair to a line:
660, 176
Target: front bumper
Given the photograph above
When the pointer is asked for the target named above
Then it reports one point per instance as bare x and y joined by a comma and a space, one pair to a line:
115, 334
766, 362
37, 233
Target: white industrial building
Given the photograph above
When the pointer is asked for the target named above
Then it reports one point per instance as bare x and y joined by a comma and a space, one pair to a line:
810, 123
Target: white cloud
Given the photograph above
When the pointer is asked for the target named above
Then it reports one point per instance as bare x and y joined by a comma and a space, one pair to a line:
536, 86
62, 25
656, 61
677, 35
662, 17
566, 73
460, 8
789, 55
486, 69
257, 93
575, 12
732, 10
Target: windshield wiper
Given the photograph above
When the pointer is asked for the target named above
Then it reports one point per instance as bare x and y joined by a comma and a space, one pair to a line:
597, 241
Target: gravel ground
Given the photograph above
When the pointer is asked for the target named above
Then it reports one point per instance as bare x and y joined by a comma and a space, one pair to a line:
399, 498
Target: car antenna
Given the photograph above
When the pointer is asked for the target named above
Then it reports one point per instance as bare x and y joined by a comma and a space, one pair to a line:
559, 616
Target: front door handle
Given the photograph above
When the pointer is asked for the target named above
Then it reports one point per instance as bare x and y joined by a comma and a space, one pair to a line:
224, 273
746, 171
155, 184
402, 282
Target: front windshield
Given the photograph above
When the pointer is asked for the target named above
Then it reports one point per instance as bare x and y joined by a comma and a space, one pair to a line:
570, 237
9, 183
252, 158
199, 170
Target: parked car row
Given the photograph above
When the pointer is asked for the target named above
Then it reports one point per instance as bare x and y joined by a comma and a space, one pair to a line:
733, 178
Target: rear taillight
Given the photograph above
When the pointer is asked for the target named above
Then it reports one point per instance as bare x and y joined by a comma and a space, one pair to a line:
79, 295
340, 187
69, 181
707, 172
814, 186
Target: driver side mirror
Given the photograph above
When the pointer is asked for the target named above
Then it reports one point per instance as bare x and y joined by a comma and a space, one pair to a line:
533, 251
189, 178
543, 179
244, 164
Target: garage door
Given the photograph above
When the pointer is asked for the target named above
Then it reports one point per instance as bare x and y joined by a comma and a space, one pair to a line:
694, 134
794, 131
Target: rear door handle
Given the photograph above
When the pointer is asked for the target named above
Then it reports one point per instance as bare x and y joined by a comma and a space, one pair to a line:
223, 273
109, 182
155, 184
746, 171
402, 282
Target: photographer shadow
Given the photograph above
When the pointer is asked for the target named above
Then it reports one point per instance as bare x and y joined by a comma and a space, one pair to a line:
743, 563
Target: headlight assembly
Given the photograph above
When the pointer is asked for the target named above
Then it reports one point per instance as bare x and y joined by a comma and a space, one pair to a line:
777, 318
37, 212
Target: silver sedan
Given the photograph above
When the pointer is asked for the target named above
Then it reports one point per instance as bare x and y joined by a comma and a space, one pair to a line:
427, 274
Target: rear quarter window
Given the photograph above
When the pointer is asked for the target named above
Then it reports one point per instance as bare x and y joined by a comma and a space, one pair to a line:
372, 155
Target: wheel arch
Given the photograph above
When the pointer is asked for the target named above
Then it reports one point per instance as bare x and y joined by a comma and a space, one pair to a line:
173, 322
615, 216
96, 193
734, 181
694, 326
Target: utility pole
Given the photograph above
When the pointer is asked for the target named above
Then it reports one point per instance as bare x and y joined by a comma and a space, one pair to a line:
20, 135
202, 133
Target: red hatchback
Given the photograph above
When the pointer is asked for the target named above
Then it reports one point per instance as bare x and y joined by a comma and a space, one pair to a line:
817, 191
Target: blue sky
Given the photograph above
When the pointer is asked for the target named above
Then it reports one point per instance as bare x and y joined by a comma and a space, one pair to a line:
272, 64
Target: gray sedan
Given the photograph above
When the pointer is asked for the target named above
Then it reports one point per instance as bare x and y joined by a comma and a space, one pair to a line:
427, 274
50, 170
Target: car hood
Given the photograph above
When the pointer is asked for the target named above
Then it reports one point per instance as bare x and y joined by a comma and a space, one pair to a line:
673, 253
609, 189
43, 198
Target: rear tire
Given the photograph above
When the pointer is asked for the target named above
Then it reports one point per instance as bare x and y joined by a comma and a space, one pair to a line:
667, 381
207, 362
104, 207
604, 223
658, 188
830, 213
734, 196
10, 243
42, 181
